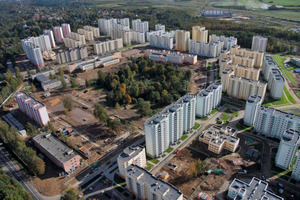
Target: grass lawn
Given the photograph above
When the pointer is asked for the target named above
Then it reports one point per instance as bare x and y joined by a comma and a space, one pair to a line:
184, 137
196, 126
287, 74
289, 96
164, 155
271, 102
225, 117
204, 118
169, 150
154, 160
214, 111
149, 166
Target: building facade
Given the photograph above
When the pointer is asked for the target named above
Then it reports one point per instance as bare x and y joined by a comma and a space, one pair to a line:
33, 53
276, 84
182, 40
210, 50
33, 108
268, 65
66, 29
228, 42
88, 34
296, 169
259, 43
199, 34
70, 55
95, 31
108, 46
140, 26
160, 27
252, 105
161, 41
58, 34
173, 57
51, 37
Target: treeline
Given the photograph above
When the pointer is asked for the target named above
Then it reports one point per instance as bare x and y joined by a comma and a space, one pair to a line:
11, 83
144, 79
11, 189
12, 139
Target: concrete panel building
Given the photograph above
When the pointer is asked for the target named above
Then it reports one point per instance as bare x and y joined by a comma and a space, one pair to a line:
138, 37
59, 153
131, 155
161, 41
295, 61
259, 43
33, 108
228, 42
210, 50
160, 27
296, 169
124, 34
42, 41
252, 105
146, 186
87, 34
199, 34
273, 123
78, 36
33, 53
51, 37
256, 189
95, 31
148, 34
276, 84
70, 55
66, 29
220, 138
140, 26
173, 57
289, 144
108, 46
268, 65
58, 34
182, 40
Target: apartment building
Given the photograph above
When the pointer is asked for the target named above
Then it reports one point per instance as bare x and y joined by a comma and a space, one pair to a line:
131, 155
228, 42
167, 127
295, 61
124, 34
161, 41
33, 108
58, 34
105, 26
146, 186
289, 144
59, 153
242, 88
259, 43
210, 50
252, 105
276, 84
33, 53
182, 40
138, 37
220, 138
70, 55
173, 57
296, 169
208, 99
66, 29
199, 34
160, 27
108, 46
148, 34
268, 65
256, 189
273, 123
74, 40
140, 26
51, 37
87, 34
95, 31
42, 41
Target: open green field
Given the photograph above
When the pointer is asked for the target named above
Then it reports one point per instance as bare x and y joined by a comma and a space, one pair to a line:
287, 74
289, 96
283, 2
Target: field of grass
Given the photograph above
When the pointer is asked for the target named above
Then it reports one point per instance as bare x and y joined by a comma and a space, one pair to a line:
283, 2
289, 96
149, 166
271, 102
184, 137
169, 150
196, 126
287, 74
154, 160
214, 111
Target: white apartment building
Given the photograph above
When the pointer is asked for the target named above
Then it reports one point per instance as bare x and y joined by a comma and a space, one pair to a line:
160, 27
268, 65
148, 34
140, 26
210, 50
228, 42
70, 55
95, 31
289, 144
276, 84
79, 37
199, 34
182, 40
167, 127
146, 186
108, 46
72, 43
273, 123
33, 108
131, 155
208, 99
243, 88
138, 37
252, 105
105, 26
125, 35
33, 53
58, 34
42, 41
259, 43
66, 29
173, 57
51, 37
161, 41
296, 169
87, 34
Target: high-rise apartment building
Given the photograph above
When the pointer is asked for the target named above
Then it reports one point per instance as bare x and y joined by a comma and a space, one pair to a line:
140, 26
146, 186
42, 41
273, 123
268, 65
77, 37
161, 41
66, 29
51, 37
33, 108
252, 105
208, 99
58, 34
105, 26
138, 37
167, 127
289, 144
228, 42
210, 50
259, 43
87, 34
108, 46
160, 27
131, 155
158, 33
95, 31
276, 84
70, 55
296, 170
182, 40
199, 34
33, 53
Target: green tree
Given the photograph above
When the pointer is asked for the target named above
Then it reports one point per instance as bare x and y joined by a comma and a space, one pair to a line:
63, 83
30, 129
114, 124
144, 107
73, 83
100, 113
68, 103
61, 72
70, 194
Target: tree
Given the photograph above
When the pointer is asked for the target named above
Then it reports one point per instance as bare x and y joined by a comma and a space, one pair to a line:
188, 75
68, 103
100, 113
129, 128
144, 107
114, 124
61, 72
198, 167
30, 129
33, 87
73, 83
63, 83
87, 83
71, 194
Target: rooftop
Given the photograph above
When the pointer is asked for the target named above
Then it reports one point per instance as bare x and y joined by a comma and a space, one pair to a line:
55, 147
130, 152
291, 136
254, 99
279, 112
29, 99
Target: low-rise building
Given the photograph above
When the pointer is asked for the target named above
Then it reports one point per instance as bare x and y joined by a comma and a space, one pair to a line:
145, 186
220, 138
131, 155
289, 144
256, 189
295, 61
13, 122
59, 153
48, 84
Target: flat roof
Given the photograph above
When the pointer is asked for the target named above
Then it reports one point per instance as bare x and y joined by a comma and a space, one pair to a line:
130, 152
254, 99
291, 136
55, 147
279, 112
29, 99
